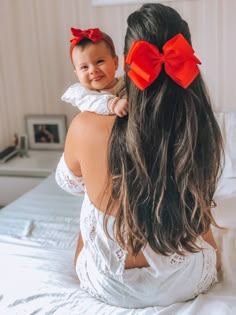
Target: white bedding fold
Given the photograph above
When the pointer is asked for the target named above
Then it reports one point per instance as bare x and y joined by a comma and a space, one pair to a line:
38, 233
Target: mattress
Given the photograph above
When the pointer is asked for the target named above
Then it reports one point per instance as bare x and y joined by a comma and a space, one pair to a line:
38, 235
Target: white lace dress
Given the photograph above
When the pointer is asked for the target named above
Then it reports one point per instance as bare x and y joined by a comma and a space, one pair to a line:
100, 264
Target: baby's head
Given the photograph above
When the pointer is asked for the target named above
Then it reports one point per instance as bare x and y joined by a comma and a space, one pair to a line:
94, 58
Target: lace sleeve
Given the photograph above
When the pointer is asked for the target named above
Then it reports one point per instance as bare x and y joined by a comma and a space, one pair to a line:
87, 100
67, 180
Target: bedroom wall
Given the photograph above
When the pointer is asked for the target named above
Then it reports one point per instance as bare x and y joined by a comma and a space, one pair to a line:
34, 62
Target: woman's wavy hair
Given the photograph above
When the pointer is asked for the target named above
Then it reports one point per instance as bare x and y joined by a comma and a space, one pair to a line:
165, 156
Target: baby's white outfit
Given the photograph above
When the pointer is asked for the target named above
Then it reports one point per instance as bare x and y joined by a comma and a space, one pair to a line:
100, 264
93, 101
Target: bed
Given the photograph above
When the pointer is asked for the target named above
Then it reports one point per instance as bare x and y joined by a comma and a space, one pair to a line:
38, 235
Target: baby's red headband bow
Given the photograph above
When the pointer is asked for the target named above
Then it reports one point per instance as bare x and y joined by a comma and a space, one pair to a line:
178, 58
94, 34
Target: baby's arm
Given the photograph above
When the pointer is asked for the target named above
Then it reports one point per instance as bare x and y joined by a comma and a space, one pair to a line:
93, 101
118, 106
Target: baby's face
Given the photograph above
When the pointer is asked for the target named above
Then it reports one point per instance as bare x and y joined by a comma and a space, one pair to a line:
95, 67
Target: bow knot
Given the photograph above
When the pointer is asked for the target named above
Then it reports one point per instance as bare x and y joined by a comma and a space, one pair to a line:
146, 61
94, 34
162, 58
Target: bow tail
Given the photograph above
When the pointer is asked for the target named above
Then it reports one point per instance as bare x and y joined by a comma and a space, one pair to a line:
143, 77
138, 80
185, 74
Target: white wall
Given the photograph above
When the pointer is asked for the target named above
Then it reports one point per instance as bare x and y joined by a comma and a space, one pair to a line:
34, 52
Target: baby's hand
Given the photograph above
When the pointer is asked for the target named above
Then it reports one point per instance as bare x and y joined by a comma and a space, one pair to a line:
121, 107
118, 106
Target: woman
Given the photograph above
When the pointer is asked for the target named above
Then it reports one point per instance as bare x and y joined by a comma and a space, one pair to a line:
149, 178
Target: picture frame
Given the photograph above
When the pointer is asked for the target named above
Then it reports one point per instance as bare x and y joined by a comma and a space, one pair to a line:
46, 132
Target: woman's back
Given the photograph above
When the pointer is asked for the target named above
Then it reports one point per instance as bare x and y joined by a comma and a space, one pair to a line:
130, 281
94, 131
92, 143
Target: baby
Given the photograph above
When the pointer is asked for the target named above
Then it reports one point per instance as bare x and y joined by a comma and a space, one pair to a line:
93, 55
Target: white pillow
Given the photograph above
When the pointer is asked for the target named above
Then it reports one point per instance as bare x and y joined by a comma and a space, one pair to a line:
227, 123
226, 187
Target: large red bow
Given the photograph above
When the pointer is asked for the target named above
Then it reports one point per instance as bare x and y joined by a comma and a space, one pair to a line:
178, 58
94, 34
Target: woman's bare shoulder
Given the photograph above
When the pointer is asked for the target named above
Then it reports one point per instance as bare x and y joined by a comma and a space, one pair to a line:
87, 136
88, 124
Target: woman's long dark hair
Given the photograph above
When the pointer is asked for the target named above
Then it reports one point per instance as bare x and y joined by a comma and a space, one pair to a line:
165, 156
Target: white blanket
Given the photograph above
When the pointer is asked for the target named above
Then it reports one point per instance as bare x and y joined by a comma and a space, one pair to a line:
38, 235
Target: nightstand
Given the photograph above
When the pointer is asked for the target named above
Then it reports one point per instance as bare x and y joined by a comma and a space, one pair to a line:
20, 174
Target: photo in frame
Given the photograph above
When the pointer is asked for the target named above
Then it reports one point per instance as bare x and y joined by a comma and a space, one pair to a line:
46, 132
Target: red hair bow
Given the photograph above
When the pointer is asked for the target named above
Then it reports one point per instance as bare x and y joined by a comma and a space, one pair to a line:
94, 34
146, 61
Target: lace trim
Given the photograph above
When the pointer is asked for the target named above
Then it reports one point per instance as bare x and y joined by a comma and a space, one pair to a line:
120, 254
176, 260
67, 180
110, 253
75, 185
90, 224
209, 274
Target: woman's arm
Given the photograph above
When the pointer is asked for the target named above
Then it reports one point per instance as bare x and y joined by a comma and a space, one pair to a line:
73, 145
68, 172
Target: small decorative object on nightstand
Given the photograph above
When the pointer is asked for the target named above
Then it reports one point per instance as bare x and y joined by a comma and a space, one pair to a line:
23, 146
8, 153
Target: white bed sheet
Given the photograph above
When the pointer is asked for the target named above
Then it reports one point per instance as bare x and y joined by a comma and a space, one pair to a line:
38, 234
